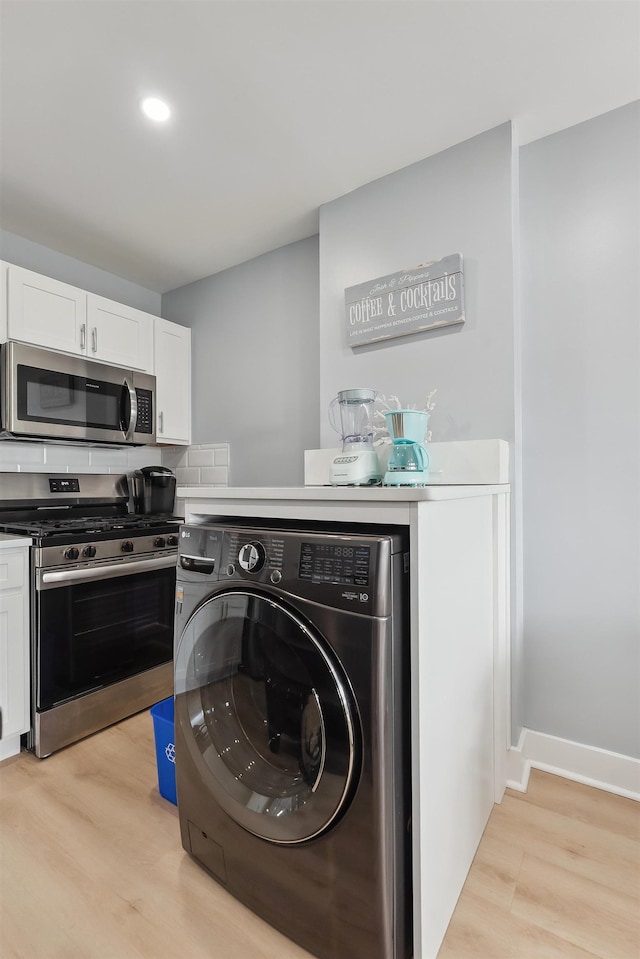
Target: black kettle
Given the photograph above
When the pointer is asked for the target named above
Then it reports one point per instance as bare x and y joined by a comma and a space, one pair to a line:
154, 490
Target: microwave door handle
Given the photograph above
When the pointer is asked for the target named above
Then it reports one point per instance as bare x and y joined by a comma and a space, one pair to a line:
130, 427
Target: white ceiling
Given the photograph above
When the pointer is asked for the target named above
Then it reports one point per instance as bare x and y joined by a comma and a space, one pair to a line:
278, 106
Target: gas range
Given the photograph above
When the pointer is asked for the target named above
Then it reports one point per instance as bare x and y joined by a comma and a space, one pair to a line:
90, 540
82, 519
102, 587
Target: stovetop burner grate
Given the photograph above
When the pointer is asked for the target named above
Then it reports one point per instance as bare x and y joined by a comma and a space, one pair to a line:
86, 525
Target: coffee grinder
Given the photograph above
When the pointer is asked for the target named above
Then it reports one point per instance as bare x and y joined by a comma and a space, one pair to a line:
357, 464
408, 463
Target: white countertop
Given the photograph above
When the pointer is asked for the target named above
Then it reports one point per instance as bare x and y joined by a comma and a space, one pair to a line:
345, 504
8, 540
333, 494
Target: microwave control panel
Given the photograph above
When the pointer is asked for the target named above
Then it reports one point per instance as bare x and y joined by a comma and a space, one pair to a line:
145, 411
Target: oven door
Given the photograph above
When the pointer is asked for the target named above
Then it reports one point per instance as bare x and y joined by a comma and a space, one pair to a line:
96, 626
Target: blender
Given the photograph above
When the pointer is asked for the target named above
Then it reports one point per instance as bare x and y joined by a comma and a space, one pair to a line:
408, 463
357, 464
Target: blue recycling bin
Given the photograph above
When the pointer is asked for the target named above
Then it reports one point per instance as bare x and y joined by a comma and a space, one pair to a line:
163, 731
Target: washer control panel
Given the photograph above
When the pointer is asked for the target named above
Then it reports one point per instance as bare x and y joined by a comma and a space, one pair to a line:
330, 562
343, 570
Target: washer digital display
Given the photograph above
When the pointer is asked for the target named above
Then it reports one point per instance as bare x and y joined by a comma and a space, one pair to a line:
346, 564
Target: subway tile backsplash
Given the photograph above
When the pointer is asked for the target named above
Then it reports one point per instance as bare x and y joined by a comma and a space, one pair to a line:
204, 465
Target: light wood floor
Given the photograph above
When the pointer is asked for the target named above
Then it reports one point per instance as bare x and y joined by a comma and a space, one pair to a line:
92, 868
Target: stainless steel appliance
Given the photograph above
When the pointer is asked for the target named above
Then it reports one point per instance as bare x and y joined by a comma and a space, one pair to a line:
154, 490
292, 728
102, 602
56, 397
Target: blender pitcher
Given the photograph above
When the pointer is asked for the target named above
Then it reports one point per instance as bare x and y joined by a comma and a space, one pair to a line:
357, 464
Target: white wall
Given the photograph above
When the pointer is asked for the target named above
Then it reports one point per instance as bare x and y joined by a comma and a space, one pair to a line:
580, 216
255, 361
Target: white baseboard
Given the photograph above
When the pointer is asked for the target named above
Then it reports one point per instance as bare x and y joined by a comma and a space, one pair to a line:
584, 764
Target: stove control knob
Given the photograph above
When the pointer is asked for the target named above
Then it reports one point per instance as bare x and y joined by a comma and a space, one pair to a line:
127, 546
71, 553
172, 540
159, 542
89, 551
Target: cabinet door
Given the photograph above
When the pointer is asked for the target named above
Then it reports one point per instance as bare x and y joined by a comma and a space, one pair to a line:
45, 312
173, 382
14, 643
119, 334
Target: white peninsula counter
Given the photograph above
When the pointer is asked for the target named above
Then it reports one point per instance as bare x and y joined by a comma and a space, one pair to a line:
459, 620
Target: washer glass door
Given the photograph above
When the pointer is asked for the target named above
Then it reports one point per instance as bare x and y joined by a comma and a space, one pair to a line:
267, 715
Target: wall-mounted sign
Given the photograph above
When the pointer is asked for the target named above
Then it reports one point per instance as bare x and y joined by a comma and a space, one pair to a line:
426, 297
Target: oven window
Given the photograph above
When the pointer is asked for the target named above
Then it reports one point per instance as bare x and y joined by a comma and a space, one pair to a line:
93, 634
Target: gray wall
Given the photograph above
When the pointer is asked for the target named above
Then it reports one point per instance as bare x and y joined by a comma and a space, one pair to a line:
255, 361
459, 201
40, 259
580, 221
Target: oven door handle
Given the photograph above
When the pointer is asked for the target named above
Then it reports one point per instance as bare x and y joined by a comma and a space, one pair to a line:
65, 577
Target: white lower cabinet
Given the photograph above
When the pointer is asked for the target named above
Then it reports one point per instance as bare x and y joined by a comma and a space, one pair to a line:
14, 648
173, 383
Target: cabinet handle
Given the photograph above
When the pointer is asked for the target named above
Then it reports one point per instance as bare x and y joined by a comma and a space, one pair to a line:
94, 339
83, 336
161, 424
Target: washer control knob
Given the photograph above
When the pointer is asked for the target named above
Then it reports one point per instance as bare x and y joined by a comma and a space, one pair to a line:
275, 577
127, 546
89, 552
252, 557
172, 540
230, 570
159, 542
71, 553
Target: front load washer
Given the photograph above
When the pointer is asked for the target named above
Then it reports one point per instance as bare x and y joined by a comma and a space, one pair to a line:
292, 728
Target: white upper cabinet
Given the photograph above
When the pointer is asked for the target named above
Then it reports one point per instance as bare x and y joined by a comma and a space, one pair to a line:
119, 334
173, 382
45, 312
56, 316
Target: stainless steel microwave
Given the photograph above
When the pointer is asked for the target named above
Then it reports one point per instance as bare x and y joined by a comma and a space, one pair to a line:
56, 397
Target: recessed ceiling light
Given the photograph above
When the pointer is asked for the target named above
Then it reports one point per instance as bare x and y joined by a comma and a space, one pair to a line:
155, 109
